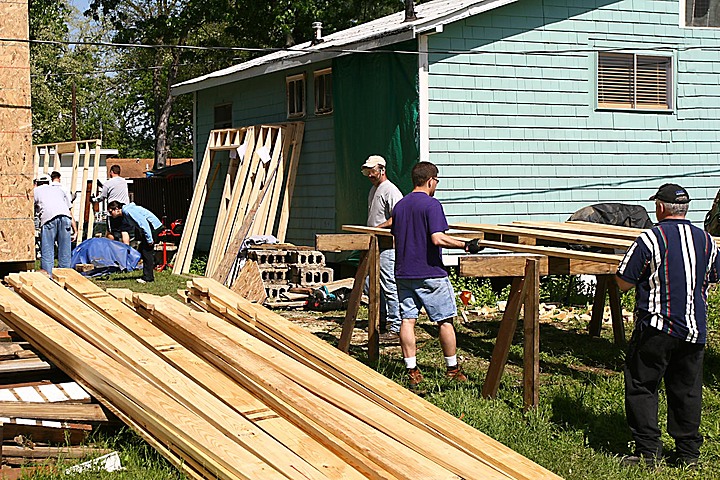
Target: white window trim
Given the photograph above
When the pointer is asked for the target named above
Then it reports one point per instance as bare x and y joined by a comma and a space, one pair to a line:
670, 82
289, 80
316, 74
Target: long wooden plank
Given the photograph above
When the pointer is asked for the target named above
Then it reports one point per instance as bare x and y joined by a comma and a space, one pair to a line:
531, 330
334, 242
74, 412
375, 386
586, 228
360, 419
211, 378
290, 181
174, 424
183, 255
549, 251
564, 237
231, 179
110, 338
354, 302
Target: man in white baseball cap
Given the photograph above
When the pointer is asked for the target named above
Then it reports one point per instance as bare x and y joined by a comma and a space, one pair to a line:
381, 201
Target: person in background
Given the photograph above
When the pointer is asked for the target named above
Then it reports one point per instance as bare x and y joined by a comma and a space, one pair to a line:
56, 182
115, 190
52, 205
670, 267
419, 225
149, 226
381, 200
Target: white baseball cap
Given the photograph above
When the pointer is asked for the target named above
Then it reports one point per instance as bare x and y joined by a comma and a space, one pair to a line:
374, 161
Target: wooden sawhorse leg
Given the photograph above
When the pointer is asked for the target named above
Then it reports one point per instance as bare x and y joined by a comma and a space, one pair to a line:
606, 284
524, 290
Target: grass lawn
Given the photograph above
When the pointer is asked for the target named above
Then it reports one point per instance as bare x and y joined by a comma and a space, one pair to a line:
579, 430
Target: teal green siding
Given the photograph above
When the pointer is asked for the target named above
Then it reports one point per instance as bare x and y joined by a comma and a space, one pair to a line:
514, 128
262, 100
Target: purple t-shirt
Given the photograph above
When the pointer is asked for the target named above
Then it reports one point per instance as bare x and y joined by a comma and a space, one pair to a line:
415, 218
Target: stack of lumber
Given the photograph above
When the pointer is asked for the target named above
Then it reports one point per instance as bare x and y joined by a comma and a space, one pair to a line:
256, 194
34, 414
235, 391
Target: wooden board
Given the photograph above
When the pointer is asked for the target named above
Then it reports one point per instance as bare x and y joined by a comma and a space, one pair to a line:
342, 368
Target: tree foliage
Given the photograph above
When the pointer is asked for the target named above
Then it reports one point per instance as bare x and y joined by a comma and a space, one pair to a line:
131, 106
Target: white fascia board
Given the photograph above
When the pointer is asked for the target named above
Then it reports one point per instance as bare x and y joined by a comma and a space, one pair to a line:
292, 62
461, 15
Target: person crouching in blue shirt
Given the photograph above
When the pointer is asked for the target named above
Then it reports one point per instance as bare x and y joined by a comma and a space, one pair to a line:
149, 226
670, 267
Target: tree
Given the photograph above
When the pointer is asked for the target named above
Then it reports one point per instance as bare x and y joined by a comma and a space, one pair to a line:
148, 73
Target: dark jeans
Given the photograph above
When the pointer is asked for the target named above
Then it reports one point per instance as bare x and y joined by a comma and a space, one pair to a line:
653, 355
147, 253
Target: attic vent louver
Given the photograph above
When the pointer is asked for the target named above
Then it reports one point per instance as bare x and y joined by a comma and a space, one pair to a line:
410, 11
317, 37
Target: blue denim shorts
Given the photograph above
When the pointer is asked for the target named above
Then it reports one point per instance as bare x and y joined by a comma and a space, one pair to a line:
435, 294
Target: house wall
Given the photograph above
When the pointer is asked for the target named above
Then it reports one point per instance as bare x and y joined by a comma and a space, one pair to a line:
262, 100
514, 128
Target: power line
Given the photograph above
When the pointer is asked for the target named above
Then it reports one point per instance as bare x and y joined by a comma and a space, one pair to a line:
342, 50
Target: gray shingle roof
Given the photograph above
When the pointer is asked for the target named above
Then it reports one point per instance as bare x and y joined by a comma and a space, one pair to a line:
374, 34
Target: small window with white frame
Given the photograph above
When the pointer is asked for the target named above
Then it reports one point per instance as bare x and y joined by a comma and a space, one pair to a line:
295, 87
634, 81
702, 13
323, 92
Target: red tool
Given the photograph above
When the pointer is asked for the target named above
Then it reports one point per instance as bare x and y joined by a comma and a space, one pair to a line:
175, 230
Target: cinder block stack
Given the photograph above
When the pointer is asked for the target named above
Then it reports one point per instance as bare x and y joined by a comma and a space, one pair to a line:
282, 269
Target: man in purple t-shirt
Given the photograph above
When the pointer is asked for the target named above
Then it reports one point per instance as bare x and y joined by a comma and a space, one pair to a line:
419, 227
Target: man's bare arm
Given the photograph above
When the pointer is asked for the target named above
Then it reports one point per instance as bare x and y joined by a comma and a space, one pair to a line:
624, 285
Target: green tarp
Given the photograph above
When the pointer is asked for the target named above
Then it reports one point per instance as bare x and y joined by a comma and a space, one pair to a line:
375, 110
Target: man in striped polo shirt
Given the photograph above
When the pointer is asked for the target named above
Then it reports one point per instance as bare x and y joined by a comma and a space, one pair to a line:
670, 267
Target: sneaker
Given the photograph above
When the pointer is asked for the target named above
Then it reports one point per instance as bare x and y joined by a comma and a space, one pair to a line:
391, 338
140, 280
454, 373
415, 377
637, 460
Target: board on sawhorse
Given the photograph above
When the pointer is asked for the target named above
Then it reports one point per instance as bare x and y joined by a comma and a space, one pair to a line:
525, 290
369, 266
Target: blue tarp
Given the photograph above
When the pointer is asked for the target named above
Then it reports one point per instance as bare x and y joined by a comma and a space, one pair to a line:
107, 255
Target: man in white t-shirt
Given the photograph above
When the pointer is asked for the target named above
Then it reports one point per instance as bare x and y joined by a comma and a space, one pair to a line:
381, 200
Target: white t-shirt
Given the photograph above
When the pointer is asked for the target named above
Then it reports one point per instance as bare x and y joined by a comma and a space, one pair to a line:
381, 202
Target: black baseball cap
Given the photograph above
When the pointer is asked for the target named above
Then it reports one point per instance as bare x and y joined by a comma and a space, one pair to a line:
671, 193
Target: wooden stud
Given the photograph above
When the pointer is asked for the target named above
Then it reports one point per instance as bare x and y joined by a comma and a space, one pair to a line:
598, 308
374, 301
531, 328
354, 302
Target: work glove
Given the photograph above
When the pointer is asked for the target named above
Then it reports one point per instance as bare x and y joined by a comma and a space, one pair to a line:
472, 246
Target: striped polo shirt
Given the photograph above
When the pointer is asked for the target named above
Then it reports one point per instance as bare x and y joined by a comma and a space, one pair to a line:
671, 266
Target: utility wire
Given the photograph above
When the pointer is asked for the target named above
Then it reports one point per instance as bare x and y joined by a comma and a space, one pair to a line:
342, 50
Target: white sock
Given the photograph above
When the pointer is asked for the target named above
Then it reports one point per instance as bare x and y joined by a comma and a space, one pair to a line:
451, 362
411, 363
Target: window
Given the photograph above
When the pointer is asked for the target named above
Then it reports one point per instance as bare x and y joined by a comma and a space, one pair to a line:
702, 13
323, 92
222, 117
640, 82
295, 85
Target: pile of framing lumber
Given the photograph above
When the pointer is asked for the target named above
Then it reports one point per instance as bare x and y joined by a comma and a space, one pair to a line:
45, 153
236, 391
256, 194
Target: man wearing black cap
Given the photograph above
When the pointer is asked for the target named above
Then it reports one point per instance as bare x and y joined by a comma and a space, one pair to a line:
670, 267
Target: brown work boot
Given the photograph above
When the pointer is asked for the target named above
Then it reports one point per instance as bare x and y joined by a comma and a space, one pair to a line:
454, 373
415, 377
